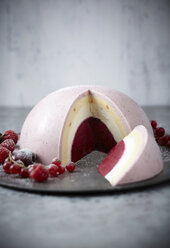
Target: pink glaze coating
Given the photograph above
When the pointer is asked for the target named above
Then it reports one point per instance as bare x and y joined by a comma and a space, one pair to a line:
43, 128
146, 164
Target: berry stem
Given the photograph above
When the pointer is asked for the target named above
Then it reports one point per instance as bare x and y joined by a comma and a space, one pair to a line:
14, 162
1, 136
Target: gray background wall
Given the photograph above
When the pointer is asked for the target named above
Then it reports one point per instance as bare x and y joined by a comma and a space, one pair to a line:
46, 45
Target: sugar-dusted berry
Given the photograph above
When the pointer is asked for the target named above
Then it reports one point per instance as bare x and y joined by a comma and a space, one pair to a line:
70, 167
4, 152
6, 166
53, 170
24, 173
40, 173
9, 144
9, 134
15, 169
56, 161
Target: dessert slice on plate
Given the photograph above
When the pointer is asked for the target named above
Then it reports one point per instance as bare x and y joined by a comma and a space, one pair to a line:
135, 158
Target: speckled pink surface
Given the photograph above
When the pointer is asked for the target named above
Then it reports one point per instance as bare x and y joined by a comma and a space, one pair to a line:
43, 127
146, 164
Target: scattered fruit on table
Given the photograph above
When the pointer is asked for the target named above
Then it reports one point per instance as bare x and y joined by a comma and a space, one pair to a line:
9, 134
70, 167
4, 152
161, 137
53, 170
40, 173
23, 162
9, 144
25, 155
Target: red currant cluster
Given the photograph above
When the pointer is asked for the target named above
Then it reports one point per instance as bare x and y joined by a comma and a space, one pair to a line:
23, 163
161, 137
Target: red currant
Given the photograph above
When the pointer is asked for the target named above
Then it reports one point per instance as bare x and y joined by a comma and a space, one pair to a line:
31, 167
24, 173
61, 170
6, 166
163, 140
153, 124
53, 170
160, 131
40, 173
56, 161
70, 167
15, 169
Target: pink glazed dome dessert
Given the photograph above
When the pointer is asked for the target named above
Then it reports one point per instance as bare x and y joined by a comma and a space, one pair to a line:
72, 122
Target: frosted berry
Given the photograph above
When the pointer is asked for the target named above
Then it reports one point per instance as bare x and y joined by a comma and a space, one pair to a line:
31, 167
56, 161
160, 131
9, 144
39, 174
24, 173
153, 124
7, 160
6, 166
9, 134
25, 155
53, 170
70, 167
4, 152
61, 170
15, 169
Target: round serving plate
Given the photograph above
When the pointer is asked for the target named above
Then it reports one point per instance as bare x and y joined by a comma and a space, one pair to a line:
84, 180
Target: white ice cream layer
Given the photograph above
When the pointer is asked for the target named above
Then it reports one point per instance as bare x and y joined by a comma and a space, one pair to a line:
133, 145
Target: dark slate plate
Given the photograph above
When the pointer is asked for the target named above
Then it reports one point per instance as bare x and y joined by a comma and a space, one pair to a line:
85, 180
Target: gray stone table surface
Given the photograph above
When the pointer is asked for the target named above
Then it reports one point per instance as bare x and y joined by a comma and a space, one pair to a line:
132, 219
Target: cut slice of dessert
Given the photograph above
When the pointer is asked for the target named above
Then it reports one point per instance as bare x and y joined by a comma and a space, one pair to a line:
72, 122
137, 157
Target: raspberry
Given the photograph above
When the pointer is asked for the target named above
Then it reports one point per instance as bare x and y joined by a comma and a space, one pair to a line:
24, 173
4, 152
9, 144
40, 173
70, 167
160, 131
9, 134
15, 169
53, 170
153, 124
56, 161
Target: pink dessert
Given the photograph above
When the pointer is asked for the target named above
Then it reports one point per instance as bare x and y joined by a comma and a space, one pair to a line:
72, 122
137, 157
